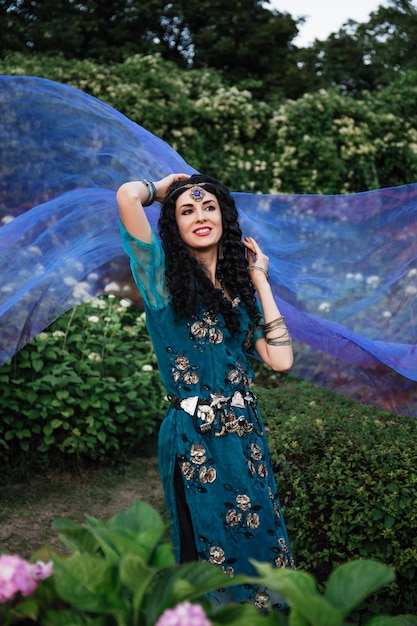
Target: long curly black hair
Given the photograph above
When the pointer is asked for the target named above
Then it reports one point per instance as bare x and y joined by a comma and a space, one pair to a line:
187, 281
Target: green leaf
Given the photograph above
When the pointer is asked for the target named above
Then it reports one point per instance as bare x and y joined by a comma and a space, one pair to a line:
116, 544
297, 619
87, 582
68, 618
31, 396
28, 607
244, 615
75, 536
163, 556
382, 620
137, 518
37, 363
350, 583
389, 521
189, 581
136, 577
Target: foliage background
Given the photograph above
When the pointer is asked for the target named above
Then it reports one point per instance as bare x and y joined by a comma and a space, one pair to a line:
324, 142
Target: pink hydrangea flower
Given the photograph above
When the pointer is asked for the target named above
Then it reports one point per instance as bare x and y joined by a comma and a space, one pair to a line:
184, 614
20, 576
41, 570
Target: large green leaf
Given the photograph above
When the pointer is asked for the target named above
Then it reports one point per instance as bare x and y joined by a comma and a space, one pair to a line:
136, 577
297, 619
190, 581
76, 537
88, 583
163, 556
71, 618
244, 614
66, 618
118, 543
138, 518
350, 583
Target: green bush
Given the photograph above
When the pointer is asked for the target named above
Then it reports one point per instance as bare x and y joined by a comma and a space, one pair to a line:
347, 480
87, 388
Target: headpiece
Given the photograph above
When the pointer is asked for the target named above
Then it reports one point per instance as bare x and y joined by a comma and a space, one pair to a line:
197, 192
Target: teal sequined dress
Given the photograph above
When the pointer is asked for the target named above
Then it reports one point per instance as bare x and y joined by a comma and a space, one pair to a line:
212, 432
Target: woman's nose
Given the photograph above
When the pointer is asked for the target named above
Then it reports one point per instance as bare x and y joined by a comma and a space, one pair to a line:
201, 216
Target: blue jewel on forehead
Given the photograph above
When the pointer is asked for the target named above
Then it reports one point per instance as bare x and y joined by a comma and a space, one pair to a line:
197, 193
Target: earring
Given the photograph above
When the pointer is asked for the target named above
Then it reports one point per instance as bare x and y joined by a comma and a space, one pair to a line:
220, 254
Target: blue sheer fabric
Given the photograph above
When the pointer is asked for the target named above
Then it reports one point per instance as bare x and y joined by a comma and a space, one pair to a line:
343, 268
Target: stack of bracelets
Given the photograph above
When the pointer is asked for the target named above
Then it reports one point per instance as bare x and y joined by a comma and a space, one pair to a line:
151, 192
284, 339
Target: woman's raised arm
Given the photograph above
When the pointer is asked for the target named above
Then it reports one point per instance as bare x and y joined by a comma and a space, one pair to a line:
133, 196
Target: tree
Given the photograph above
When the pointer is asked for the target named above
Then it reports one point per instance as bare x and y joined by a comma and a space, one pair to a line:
367, 56
88, 29
248, 43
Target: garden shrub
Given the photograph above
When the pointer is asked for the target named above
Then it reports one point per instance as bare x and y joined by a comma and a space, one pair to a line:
347, 481
87, 388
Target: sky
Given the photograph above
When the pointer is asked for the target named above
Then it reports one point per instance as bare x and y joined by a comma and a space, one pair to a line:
324, 16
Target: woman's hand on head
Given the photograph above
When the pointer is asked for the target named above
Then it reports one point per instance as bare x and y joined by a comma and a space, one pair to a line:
162, 186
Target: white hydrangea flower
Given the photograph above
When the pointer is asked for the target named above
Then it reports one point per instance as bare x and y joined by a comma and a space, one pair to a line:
112, 287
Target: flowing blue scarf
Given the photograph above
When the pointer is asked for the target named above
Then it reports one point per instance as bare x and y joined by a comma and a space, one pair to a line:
343, 268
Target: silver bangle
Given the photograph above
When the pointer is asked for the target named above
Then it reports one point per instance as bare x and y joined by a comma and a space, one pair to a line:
151, 192
258, 267
272, 342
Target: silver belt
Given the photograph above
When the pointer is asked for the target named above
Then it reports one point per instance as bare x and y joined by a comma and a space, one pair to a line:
205, 408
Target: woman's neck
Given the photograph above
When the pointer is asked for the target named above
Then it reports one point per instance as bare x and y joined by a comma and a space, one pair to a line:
208, 260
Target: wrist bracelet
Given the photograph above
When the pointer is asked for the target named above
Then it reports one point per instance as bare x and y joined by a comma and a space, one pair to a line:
151, 192
258, 267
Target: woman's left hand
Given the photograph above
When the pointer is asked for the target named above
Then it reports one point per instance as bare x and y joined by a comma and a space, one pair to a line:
258, 261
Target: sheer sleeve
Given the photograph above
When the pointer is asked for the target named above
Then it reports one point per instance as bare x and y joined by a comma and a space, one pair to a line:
147, 262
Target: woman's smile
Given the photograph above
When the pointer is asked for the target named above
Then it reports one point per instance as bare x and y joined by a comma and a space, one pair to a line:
202, 232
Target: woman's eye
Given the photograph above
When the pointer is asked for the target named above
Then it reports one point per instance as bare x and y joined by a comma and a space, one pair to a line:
210, 208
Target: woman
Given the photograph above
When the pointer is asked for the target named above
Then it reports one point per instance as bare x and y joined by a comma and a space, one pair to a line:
199, 288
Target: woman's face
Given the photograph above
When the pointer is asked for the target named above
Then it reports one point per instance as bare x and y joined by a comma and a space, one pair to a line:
199, 219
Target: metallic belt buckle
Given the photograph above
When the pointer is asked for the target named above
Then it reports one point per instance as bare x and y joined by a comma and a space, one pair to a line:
205, 415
